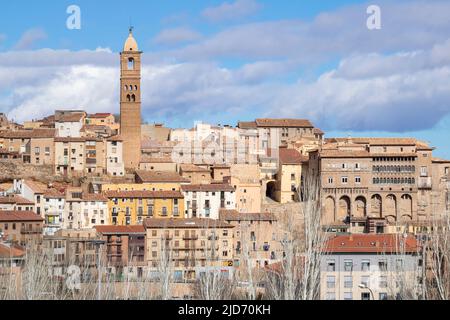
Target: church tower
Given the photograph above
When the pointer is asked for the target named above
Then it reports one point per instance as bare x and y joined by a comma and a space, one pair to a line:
130, 102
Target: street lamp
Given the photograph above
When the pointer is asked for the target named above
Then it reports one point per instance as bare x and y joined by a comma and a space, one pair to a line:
365, 287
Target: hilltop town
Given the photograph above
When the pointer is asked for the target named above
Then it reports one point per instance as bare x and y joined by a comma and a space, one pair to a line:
175, 206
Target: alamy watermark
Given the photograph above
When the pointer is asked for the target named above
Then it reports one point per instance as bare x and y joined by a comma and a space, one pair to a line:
374, 19
73, 22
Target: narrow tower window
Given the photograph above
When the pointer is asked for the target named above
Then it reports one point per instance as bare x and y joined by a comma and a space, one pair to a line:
133, 98
130, 64
128, 98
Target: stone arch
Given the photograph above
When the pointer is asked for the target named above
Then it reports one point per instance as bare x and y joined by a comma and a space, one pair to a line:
329, 209
376, 206
390, 208
344, 209
130, 64
406, 207
361, 207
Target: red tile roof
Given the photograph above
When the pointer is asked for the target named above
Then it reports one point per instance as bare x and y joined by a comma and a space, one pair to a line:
159, 176
291, 156
207, 188
25, 216
368, 243
15, 199
11, 251
28, 134
192, 168
120, 229
100, 115
144, 194
94, 197
284, 123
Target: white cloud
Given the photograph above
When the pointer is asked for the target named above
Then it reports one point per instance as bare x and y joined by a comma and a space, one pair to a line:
231, 11
29, 38
177, 36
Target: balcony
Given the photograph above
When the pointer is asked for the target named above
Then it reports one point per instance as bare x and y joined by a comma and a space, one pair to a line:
31, 231
187, 238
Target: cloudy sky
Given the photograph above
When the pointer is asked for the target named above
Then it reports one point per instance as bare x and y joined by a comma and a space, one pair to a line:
223, 61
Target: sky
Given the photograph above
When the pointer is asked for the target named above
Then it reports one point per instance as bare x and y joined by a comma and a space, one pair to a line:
236, 60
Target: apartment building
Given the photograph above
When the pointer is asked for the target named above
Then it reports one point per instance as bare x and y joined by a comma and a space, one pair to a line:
103, 119
114, 157
35, 146
194, 247
368, 267
84, 210
245, 178
16, 203
133, 207
390, 178
53, 213
206, 200
195, 174
80, 156
33, 191
286, 188
21, 227
69, 124
256, 238
123, 250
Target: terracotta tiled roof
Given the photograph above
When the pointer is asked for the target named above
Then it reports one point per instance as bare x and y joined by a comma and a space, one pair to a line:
71, 117
207, 188
247, 125
15, 199
144, 194
18, 216
291, 156
37, 187
233, 215
120, 229
99, 115
94, 197
53, 194
11, 251
284, 123
28, 134
76, 139
185, 224
318, 131
159, 176
367, 243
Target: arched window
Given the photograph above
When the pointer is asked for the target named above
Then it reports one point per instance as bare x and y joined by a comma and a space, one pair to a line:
128, 98
130, 64
135, 88
133, 98
126, 88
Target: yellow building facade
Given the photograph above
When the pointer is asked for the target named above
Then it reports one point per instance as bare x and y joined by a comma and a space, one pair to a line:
158, 186
133, 207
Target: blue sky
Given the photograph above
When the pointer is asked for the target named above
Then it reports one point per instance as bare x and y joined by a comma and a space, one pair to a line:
224, 61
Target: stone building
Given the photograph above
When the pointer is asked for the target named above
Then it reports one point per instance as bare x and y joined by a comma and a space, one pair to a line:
130, 102
21, 227
195, 246
389, 178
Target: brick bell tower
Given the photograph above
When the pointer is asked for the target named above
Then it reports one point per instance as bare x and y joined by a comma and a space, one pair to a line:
130, 102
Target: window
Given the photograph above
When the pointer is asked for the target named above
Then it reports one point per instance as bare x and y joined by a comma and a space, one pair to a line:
164, 211
331, 265
344, 180
383, 282
130, 64
293, 176
348, 265
424, 172
358, 180
382, 265
383, 296
331, 282
365, 296
399, 264
348, 282
348, 296
330, 180
365, 265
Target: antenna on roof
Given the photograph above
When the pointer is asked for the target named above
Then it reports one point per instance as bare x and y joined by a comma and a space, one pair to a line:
131, 26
